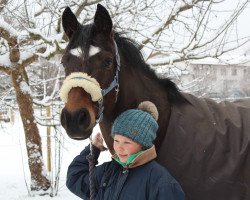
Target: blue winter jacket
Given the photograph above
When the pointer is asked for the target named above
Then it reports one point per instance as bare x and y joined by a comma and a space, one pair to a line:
144, 179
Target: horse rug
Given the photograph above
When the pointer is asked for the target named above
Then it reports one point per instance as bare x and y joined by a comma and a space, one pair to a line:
206, 148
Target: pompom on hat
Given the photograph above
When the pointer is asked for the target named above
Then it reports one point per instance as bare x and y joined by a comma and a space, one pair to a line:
140, 125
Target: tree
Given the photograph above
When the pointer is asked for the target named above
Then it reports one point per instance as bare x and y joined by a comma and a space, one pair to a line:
31, 30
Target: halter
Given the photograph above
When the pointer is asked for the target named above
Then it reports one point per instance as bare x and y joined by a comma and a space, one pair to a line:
91, 86
113, 84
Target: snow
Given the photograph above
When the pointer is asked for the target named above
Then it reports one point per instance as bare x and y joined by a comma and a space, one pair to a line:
163, 60
224, 60
14, 170
8, 28
49, 50
5, 60
25, 88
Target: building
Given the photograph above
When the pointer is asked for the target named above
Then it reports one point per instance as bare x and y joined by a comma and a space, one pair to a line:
219, 80
211, 78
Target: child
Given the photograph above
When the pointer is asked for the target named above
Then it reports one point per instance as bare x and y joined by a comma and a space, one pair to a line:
132, 173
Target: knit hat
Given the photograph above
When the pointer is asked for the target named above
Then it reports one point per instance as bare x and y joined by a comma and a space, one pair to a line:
140, 125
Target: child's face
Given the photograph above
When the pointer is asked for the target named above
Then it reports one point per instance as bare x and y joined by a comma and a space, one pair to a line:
124, 147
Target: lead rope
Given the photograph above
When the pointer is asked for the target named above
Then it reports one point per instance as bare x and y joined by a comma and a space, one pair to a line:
90, 158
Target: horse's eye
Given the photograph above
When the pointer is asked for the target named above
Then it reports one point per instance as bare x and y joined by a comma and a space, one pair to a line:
107, 63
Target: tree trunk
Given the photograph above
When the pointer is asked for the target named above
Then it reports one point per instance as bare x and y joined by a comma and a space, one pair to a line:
39, 179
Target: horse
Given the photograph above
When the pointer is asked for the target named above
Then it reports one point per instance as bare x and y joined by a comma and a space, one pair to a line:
204, 144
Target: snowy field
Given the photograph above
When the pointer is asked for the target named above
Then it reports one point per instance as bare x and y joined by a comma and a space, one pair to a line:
14, 170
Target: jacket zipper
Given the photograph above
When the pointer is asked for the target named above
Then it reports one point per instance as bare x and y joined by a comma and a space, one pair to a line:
121, 183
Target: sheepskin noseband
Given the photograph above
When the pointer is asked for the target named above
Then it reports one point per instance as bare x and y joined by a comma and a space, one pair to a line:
79, 79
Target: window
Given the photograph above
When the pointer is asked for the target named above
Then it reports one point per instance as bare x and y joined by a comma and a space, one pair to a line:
223, 71
245, 72
234, 72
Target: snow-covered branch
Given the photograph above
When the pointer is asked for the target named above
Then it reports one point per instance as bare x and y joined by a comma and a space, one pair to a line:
5, 69
170, 19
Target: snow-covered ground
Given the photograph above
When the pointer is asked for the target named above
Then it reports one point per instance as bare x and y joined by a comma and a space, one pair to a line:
14, 171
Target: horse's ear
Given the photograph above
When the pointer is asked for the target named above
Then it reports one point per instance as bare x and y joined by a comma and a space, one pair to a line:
69, 22
102, 20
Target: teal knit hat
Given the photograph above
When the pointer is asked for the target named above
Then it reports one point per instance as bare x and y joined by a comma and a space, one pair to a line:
140, 125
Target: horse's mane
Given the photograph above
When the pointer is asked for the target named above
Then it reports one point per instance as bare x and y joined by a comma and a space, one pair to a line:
130, 50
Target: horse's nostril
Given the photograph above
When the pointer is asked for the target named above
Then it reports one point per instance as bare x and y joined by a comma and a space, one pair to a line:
75, 123
83, 119
64, 118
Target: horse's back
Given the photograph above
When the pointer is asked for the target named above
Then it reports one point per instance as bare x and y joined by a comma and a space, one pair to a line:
207, 148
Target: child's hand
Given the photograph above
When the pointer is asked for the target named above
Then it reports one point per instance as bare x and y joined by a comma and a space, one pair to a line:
97, 141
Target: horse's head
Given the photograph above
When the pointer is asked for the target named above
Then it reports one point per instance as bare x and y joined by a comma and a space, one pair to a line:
91, 63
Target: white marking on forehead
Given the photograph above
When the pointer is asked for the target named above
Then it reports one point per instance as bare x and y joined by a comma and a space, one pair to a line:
93, 50
76, 52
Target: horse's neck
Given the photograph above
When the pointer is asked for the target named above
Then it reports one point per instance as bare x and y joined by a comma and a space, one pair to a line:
137, 86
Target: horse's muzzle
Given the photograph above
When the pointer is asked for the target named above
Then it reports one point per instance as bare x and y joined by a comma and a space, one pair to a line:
76, 124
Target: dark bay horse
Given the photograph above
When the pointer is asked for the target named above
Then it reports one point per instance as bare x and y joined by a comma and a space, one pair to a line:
204, 144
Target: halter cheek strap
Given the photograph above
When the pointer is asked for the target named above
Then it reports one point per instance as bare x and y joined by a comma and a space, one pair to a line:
113, 84
91, 86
